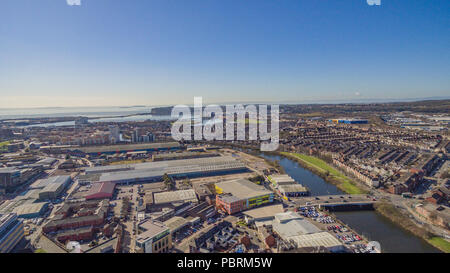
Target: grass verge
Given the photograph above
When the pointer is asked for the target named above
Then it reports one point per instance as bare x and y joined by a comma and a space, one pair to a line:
440, 243
389, 211
327, 172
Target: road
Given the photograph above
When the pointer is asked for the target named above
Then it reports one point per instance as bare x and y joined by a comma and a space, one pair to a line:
405, 206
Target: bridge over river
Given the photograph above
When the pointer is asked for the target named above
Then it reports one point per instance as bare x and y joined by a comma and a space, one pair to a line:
337, 202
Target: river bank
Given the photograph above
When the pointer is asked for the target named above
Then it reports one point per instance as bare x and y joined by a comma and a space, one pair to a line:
385, 210
331, 175
394, 215
326, 172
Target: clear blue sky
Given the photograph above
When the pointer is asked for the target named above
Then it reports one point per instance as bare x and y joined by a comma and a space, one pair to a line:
155, 52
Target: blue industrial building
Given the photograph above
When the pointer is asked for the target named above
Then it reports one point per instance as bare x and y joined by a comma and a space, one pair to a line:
349, 121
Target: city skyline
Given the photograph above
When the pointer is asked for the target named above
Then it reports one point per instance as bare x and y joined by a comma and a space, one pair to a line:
104, 53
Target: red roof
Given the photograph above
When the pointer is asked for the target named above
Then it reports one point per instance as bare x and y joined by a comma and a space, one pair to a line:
102, 190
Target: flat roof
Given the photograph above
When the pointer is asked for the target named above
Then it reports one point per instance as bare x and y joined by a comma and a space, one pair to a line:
152, 228
263, 212
183, 154
292, 188
175, 223
47, 160
32, 208
316, 239
279, 178
101, 188
242, 188
162, 164
288, 224
9, 170
129, 147
158, 169
175, 196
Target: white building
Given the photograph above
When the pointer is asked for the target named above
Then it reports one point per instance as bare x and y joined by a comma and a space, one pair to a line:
114, 133
291, 227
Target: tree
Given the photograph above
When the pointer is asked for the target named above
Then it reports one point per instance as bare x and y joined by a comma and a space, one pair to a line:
168, 182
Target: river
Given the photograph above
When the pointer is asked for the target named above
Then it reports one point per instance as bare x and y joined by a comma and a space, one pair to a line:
368, 223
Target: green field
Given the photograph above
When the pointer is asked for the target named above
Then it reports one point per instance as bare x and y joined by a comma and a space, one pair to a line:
440, 243
344, 183
3, 145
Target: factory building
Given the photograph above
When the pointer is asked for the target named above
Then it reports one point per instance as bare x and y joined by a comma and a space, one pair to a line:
293, 228
47, 163
32, 210
9, 178
176, 223
117, 149
11, 232
154, 171
349, 121
179, 201
287, 186
202, 210
183, 155
72, 216
180, 196
237, 195
54, 187
262, 216
154, 237
104, 190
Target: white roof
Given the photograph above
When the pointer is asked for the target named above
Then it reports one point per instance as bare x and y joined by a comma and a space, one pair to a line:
175, 196
280, 178
242, 188
289, 224
264, 212
292, 188
316, 239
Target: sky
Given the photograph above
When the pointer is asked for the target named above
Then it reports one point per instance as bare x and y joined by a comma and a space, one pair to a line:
165, 52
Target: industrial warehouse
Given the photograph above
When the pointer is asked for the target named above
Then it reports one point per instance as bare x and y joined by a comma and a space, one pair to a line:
287, 186
154, 171
237, 195
34, 202
300, 232
114, 149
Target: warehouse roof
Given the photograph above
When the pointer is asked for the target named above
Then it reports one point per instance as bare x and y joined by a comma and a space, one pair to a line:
316, 239
242, 188
175, 223
152, 228
101, 188
47, 160
33, 208
175, 196
292, 188
129, 147
184, 154
8, 170
42, 183
264, 212
281, 178
162, 164
173, 167
290, 224
52, 187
